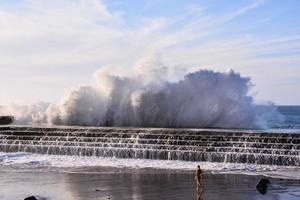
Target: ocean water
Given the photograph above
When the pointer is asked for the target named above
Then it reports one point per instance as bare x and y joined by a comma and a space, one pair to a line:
29, 161
289, 119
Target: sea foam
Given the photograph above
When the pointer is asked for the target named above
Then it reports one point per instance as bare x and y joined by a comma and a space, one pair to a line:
199, 99
84, 164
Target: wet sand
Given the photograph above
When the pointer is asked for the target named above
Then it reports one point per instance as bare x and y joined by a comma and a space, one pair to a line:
134, 184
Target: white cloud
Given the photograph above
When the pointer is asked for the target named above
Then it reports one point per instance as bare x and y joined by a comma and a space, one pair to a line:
70, 39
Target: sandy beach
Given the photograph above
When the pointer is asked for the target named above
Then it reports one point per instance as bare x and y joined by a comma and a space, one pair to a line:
139, 184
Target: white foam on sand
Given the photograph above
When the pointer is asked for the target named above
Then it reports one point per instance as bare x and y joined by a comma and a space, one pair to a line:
29, 160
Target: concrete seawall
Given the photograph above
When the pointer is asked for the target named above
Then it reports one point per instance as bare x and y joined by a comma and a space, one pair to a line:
218, 145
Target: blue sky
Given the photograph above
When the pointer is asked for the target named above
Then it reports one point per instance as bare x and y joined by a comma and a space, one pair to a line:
50, 46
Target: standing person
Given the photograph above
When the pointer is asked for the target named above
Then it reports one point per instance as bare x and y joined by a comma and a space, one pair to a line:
198, 179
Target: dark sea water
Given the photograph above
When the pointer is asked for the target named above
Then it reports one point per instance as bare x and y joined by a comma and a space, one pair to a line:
289, 118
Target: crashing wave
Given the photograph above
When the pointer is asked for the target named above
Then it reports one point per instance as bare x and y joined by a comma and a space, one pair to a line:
200, 99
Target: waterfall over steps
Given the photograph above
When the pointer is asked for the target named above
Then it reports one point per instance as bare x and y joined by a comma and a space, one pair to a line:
236, 146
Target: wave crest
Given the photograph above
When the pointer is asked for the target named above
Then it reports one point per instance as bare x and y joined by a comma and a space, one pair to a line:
201, 99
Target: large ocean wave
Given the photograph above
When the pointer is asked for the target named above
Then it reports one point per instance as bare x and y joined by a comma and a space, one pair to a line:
200, 99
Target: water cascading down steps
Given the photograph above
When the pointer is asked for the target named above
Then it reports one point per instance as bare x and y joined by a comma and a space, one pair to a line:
234, 146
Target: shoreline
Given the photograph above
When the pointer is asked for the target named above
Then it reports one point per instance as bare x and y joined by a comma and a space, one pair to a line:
23, 160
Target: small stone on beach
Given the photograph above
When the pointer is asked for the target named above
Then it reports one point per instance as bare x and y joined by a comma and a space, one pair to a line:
30, 198
262, 186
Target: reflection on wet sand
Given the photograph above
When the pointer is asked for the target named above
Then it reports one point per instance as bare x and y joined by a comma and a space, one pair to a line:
199, 193
143, 185
138, 184
135, 186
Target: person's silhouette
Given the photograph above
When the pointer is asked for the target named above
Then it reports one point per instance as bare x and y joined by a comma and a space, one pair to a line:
198, 179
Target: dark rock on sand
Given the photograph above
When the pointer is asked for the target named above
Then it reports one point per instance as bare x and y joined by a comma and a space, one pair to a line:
262, 186
31, 198
5, 120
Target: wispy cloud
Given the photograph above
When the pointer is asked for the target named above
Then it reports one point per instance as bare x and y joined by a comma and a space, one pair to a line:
243, 10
